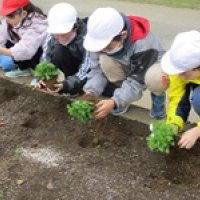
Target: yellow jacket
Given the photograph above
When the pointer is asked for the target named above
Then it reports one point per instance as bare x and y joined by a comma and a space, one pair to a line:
179, 100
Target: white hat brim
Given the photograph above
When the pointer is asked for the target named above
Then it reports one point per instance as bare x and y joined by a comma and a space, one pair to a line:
95, 45
59, 29
168, 66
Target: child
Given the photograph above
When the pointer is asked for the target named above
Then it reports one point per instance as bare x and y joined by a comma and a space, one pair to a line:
182, 63
122, 49
22, 38
65, 48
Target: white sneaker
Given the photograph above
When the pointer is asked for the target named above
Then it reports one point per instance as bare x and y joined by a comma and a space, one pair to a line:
117, 111
18, 72
34, 82
70, 95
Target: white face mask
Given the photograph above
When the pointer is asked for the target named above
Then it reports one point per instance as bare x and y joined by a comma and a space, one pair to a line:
114, 50
69, 40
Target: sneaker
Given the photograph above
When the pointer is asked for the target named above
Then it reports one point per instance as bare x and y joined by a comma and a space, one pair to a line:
70, 95
34, 82
117, 111
158, 115
18, 72
158, 109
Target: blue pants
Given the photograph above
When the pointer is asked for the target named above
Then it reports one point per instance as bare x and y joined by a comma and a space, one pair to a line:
6, 62
158, 109
195, 100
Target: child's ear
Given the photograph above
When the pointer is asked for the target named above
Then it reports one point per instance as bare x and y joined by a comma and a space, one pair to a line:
24, 13
124, 34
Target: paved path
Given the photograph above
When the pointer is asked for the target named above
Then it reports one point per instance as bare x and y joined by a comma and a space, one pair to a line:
165, 21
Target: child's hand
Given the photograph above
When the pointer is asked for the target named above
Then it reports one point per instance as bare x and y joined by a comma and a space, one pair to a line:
58, 87
39, 85
103, 108
189, 138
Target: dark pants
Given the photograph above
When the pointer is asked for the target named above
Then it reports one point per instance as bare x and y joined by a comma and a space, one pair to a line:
25, 64
65, 61
109, 89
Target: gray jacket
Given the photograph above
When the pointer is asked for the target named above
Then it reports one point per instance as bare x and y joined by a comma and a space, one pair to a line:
140, 50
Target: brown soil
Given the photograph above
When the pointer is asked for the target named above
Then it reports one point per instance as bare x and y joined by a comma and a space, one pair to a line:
45, 155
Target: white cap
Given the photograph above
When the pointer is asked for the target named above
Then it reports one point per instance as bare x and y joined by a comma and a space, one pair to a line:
103, 25
184, 54
61, 18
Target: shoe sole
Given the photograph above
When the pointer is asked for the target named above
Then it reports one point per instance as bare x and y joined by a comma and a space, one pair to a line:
157, 117
120, 113
22, 75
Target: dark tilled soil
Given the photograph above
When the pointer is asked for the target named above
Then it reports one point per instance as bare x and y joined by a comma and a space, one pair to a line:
46, 155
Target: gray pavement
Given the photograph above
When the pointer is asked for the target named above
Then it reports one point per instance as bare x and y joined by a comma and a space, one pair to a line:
166, 22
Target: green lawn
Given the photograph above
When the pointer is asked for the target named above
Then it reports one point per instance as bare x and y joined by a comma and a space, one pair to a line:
195, 4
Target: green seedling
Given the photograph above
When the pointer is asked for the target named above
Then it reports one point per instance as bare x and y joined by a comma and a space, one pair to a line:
46, 71
162, 136
81, 110
1, 195
18, 152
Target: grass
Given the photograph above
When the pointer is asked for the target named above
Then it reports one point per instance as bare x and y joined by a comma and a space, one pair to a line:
194, 4
1, 195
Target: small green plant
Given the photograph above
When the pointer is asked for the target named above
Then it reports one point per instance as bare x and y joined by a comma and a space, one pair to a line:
46, 71
162, 136
1, 195
81, 110
18, 152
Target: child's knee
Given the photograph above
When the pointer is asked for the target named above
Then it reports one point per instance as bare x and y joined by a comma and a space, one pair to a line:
6, 62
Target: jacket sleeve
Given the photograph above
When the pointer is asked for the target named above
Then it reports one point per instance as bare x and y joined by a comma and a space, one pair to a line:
96, 80
51, 43
74, 84
3, 32
179, 102
46, 48
131, 90
32, 38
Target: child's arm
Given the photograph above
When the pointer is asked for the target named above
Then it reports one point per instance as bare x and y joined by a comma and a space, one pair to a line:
189, 138
31, 38
96, 80
3, 32
179, 103
6, 52
74, 84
